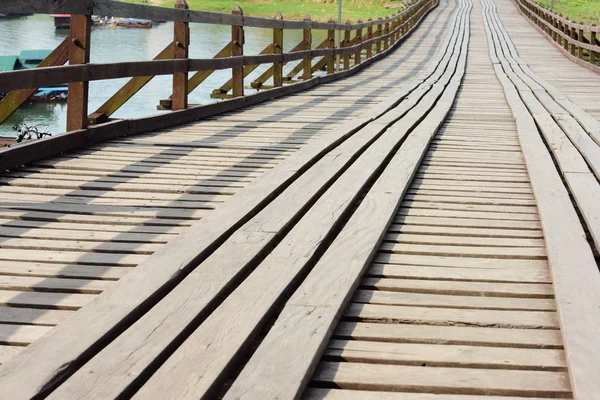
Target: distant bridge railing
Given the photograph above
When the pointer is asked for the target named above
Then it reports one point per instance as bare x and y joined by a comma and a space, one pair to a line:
362, 42
578, 41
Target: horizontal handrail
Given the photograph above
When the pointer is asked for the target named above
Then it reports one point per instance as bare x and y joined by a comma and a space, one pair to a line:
53, 76
129, 10
566, 21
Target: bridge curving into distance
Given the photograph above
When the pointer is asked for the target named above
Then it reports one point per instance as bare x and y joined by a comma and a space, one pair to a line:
422, 223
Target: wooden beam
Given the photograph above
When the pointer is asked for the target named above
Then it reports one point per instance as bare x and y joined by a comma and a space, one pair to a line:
307, 37
278, 49
127, 91
237, 49
79, 53
358, 40
181, 44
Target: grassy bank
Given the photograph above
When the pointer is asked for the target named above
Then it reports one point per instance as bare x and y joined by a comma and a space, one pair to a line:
320, 10
587, 11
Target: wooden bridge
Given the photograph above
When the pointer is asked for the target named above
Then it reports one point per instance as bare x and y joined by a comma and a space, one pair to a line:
425, 228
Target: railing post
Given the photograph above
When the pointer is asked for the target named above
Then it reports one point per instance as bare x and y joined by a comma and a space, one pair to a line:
566, 33
331, 45
181, 43
79, 53
237, 49
358, 40
307, 38
369, 37
386, 42
346, 44
580, 38
574, 37
397, 36
278, 49
593, 54
379, 32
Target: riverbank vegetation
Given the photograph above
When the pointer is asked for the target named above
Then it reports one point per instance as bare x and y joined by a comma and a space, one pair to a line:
586, 11
320, 10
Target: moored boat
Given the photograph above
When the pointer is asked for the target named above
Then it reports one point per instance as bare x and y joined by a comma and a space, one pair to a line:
62, 21
133, 23
30, 59
14, 15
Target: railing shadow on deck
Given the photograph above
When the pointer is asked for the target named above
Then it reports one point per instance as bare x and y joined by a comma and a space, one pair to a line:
236, 132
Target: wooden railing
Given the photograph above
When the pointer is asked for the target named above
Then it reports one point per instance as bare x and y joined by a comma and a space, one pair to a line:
356, 48
578, 41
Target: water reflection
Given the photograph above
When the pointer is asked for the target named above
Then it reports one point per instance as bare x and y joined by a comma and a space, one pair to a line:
116, 45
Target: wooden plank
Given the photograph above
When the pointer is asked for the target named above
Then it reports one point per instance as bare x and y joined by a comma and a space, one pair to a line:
462, 274
444, 380
460, 262
21, 335
538, 253
26, 283
452, 334
338, 394
41, 269
462, 240
58, 301
433, 316
435, 355
461, 288
470, 232
34, 316
452, 301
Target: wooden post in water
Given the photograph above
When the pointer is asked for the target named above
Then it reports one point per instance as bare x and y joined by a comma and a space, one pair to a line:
378, 33
278, 49
307, 38
237, 49
347, 43
331, 45
358, 40
369, 37
79, 53
181, 43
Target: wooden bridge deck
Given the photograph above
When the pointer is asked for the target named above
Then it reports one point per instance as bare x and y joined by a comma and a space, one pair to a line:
426, 229
73, 225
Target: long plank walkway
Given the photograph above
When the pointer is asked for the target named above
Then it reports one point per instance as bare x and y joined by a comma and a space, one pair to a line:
430, 233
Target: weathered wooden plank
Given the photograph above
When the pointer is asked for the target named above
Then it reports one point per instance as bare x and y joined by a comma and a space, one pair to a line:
452, 301
444, 380
435, 355
338, 394
452, 334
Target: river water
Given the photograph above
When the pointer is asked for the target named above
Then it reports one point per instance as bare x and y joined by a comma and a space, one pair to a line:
118, 45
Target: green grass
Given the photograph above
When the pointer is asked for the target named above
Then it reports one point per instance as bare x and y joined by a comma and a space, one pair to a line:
294, 9
586, 11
